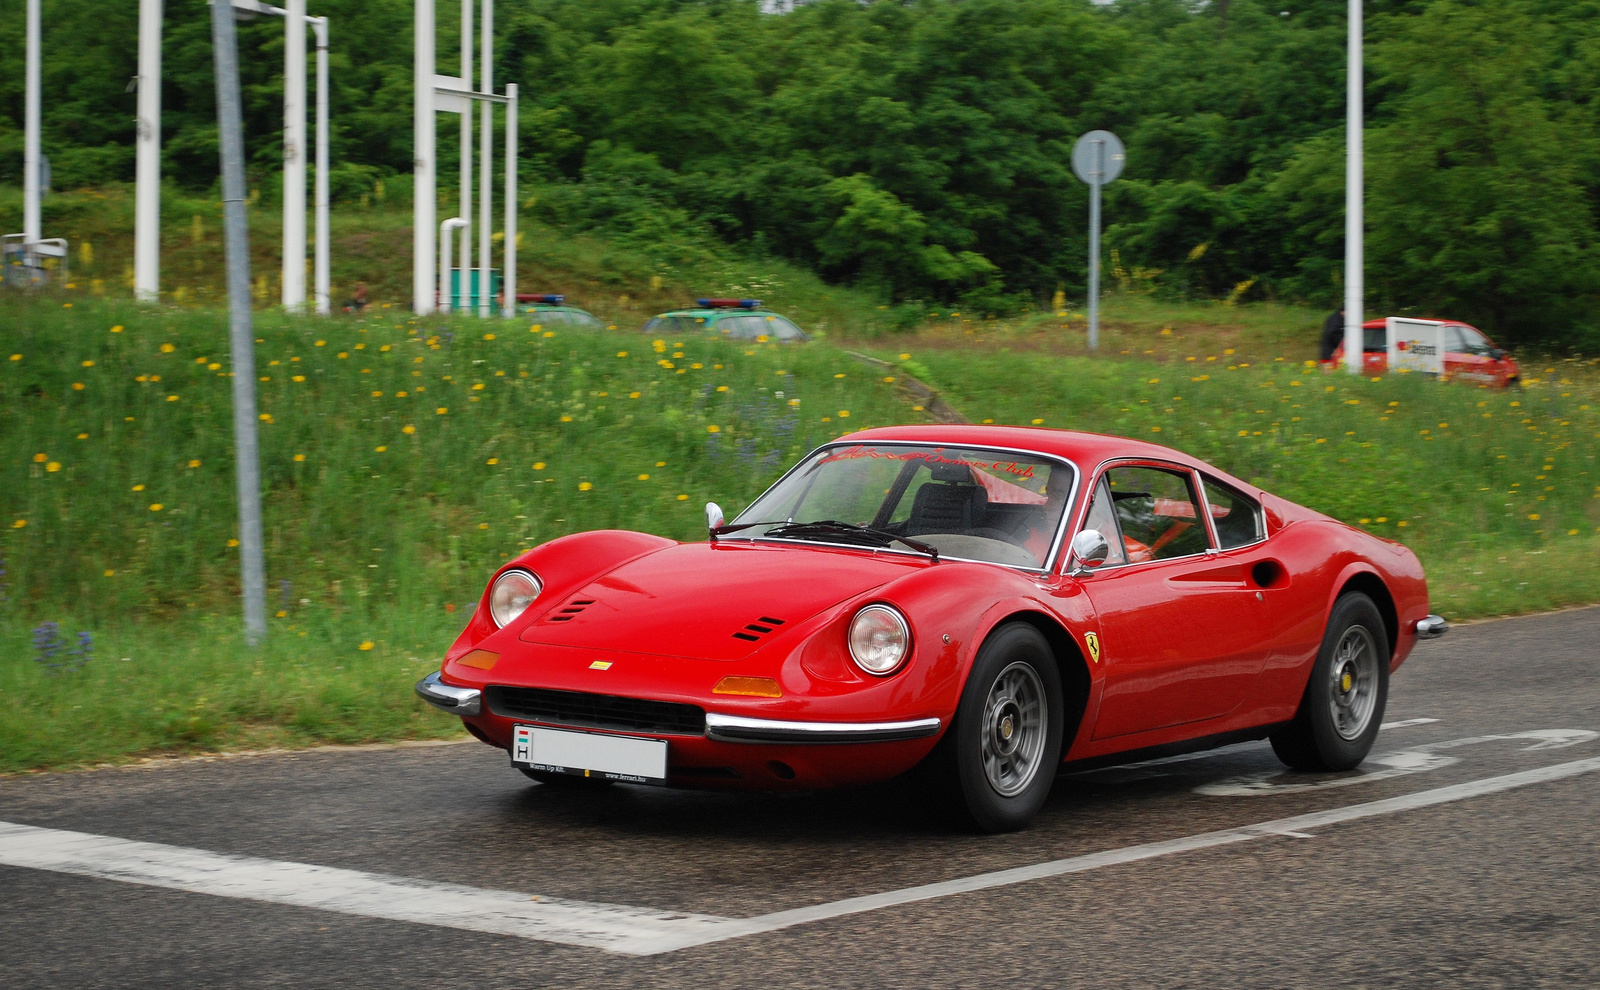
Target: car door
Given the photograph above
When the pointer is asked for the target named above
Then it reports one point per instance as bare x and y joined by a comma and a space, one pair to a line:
1183, 634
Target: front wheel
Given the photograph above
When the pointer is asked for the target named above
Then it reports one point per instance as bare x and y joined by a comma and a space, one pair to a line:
1000, 754
1342, 707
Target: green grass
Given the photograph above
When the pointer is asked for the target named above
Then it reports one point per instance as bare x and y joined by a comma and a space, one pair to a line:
1497, 491
383, 514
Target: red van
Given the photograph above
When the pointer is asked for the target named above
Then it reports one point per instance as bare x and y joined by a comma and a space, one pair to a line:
1468, 355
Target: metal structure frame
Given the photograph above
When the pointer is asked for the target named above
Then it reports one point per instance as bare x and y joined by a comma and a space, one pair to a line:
436, 94
147, 209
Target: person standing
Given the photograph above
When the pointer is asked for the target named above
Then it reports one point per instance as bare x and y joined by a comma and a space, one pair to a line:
1332, 335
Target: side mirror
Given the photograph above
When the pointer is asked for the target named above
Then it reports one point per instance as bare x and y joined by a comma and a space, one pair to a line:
713, 515
1090, 549
1497, 353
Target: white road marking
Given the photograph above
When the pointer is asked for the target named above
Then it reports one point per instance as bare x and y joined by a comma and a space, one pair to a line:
1399, 763
1406, 723
373, 895
631, 931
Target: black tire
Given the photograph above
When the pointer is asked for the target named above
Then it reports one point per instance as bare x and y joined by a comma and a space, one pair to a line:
562, 779
971, 760
1345, 696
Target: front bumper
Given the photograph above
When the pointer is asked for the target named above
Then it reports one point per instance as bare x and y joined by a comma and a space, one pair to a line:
1432, 627
738, 729
446, 697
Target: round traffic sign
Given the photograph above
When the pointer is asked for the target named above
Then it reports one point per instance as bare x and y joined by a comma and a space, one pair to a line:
1098, 157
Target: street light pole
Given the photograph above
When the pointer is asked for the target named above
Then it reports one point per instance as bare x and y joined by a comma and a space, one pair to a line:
294, 157
423, 173
1354, 286
485, 161
320, 266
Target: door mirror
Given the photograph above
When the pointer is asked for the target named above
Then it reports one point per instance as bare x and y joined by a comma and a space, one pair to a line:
1090, 549
713, 515
1497, 353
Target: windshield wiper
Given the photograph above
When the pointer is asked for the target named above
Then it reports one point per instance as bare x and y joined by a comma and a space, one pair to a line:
835, 527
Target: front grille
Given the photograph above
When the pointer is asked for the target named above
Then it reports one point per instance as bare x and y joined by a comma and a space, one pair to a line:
597, 711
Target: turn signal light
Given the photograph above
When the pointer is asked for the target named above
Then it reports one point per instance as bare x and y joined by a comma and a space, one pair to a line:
479, 659
750, 687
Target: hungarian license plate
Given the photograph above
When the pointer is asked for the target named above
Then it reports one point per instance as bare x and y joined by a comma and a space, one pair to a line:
590, 754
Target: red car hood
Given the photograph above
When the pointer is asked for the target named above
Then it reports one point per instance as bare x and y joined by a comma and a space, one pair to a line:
713, 602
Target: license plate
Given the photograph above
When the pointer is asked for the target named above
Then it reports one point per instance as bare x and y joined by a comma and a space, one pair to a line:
590, 754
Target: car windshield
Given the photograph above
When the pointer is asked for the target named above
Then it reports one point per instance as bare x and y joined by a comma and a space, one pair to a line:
966, 502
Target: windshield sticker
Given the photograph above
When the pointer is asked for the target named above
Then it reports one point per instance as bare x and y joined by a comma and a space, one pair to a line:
934, 457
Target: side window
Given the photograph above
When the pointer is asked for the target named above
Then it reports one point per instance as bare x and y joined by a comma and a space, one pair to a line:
1374, 339
1235, 516
782, 329
1156, 511
1104, 518
1453, 342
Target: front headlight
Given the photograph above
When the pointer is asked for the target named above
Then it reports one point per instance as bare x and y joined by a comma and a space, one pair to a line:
511, 595
879, 639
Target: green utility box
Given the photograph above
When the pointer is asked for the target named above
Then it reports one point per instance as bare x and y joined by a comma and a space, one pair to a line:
469, 302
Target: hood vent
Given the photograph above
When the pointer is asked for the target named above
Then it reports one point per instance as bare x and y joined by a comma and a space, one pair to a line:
753, 632
571, 609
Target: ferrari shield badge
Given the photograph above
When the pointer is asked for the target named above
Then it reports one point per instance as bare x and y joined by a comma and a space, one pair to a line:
1092, 641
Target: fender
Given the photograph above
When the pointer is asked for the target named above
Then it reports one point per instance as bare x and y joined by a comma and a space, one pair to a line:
562, 564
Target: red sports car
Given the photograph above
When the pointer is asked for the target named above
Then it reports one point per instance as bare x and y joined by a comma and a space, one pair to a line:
983, 603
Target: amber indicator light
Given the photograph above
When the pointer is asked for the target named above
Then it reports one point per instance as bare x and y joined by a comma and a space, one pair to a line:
752, 687
479, 659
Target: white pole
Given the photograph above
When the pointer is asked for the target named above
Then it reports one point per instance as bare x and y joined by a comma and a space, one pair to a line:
508, 278
30, 141
1354, 287
147, 167
446, 231
320, 265
485, 160
423, 175
466, 157
294, 157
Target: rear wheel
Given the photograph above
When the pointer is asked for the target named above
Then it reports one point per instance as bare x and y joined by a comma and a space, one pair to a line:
1343, 704
999, 757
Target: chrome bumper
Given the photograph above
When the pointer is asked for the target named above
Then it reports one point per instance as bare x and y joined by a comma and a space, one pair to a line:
737, 729
455, 700
1432, 627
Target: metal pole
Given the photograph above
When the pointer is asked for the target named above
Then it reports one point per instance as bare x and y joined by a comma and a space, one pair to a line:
1094, 244
485, 160
446, 232
508, 279
423, 175
241, 335
1354, 284
466, 157
320, 265
147, 167
31, 225
294, 157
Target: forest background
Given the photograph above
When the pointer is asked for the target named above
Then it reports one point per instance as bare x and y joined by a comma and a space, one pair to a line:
921, 149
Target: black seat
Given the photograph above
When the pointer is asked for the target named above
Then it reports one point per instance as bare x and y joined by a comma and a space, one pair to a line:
942, 508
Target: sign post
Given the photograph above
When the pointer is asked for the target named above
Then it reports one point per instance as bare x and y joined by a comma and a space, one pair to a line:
1097, 159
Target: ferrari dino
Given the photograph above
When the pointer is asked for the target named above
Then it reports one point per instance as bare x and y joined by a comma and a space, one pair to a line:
985, 605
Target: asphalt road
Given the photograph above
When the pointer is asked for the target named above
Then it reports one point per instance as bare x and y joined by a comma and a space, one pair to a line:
1498, 889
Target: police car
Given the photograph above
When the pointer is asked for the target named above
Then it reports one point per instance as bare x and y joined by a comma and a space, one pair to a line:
548, 311
738, 319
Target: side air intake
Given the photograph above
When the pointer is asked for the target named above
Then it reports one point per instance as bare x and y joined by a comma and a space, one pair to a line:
754, 631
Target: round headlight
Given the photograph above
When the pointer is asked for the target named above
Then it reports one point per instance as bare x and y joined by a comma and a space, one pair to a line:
511, 595
879, 639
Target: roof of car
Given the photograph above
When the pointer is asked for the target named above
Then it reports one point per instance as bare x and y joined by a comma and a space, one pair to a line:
1083, 449
706, 314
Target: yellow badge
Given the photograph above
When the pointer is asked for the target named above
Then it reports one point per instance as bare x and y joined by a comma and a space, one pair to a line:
1092, 641
605, 665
